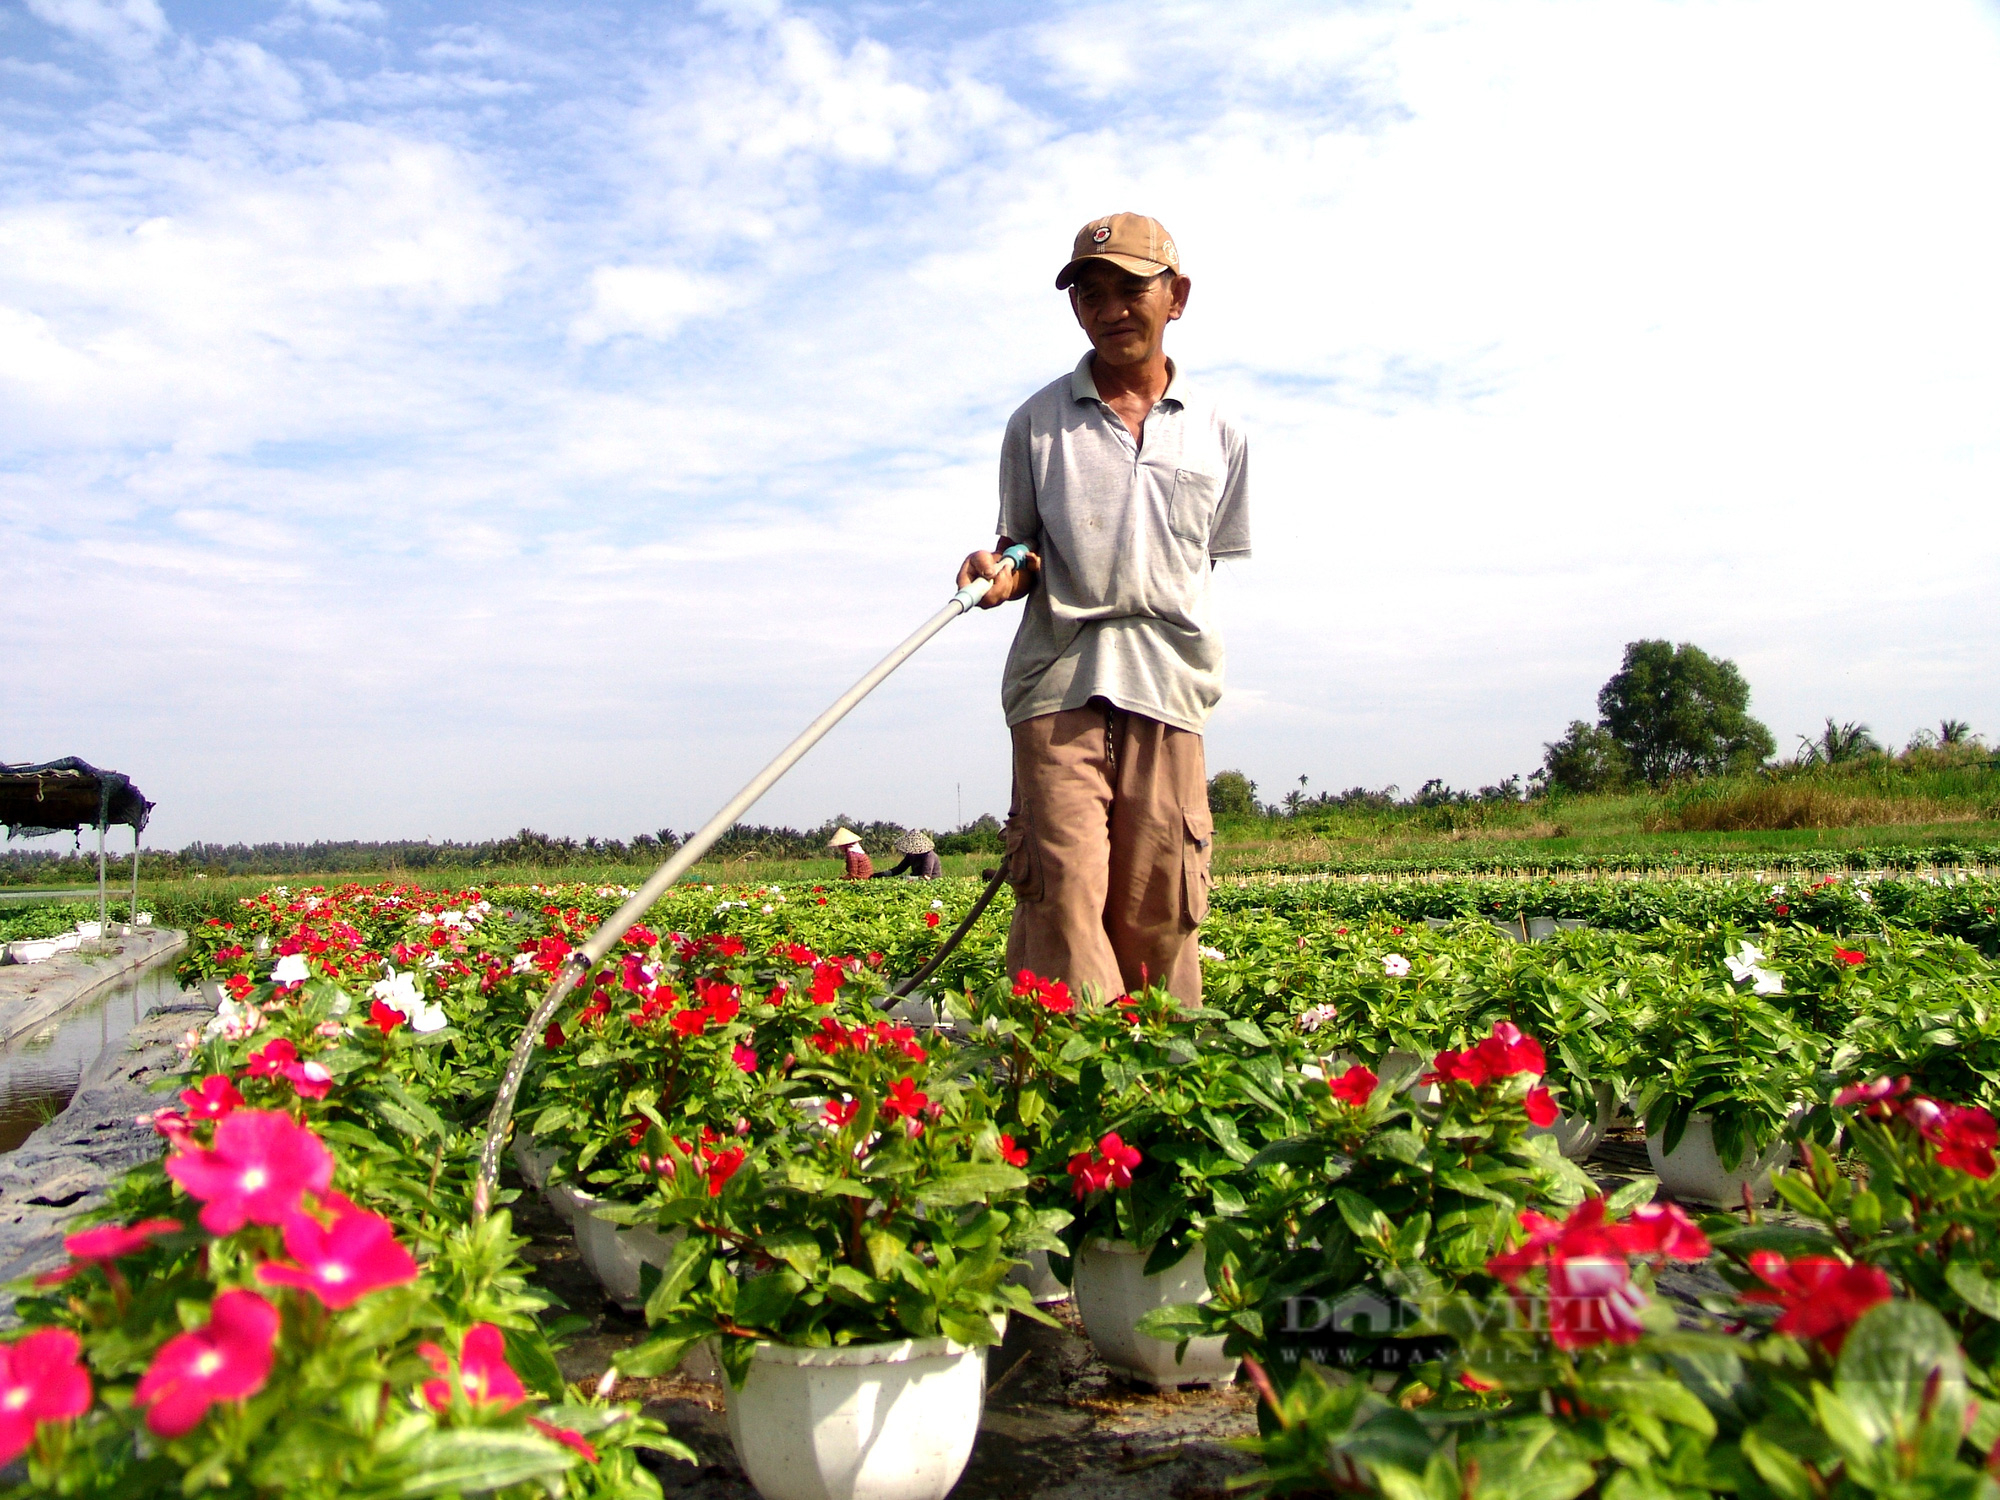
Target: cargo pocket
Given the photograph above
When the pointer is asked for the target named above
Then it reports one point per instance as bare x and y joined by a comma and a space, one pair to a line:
1197, 849
1024, 859
1193, 506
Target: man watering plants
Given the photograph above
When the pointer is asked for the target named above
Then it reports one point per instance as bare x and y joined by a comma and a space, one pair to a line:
1126, 483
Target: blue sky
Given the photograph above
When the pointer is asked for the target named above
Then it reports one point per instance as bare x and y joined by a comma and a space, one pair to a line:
433, 419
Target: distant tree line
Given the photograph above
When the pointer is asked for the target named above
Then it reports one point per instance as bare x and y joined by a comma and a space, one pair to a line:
526, 848
1670, 713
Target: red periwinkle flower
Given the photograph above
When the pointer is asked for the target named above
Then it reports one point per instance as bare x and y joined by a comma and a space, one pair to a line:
270, 1059
837, 1113
553, 1037
383, 1018
1013, 1155
226, 1360
1110, 1166
342, 1262
744, 1058
1355, 1087
261, 1161
215, 1098
1050, 994
238, 985
931, 919
1822, 1297
569, 1437
1592, 1301
483, 1371
722, 1166
1872, 1092
1662, 1229
1852, 957
1541, 1107
1122, 1159
1964, 1135
1087, 1176
1591, 1298
42, 1379
904, 1102
110, 1241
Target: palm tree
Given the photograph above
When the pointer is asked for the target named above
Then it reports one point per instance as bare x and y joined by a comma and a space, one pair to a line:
1838, 743
1954, 732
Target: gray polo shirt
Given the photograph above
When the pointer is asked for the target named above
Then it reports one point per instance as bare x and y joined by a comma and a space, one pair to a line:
1125, 534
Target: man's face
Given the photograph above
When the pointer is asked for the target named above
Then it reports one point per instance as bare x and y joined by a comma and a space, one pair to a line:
1126, 316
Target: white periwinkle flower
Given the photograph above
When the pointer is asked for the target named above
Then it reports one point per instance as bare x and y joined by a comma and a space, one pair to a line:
1745, 964
291, 969
523, 962
1395, 965
1318, 1016
399, 992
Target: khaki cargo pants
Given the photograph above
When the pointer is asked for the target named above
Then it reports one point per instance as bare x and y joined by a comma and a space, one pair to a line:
1108, 846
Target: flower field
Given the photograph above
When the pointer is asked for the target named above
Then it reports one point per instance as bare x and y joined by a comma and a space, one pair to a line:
301, 1299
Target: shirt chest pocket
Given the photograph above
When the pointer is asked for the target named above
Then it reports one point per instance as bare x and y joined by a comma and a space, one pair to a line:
1193, 507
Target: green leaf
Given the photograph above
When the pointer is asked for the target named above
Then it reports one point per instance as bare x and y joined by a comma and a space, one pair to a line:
1246, 1032
1638, 1191
1182, 1321
796, 1248
763, 1301
1981, 1294
686, 1265
1890, 1355
1776, 1466
1223, 1129
1365, 1220
471, 1459
971, 1182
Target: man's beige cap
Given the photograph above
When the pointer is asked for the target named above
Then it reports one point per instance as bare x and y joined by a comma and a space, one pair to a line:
843, 838
1131, 241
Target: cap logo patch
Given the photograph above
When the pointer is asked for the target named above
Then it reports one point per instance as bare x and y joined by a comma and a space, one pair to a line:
1101, 234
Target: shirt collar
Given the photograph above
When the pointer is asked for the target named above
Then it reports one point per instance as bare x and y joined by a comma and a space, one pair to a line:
1083, 385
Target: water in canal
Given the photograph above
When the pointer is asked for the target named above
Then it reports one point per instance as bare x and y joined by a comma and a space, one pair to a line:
39, 1071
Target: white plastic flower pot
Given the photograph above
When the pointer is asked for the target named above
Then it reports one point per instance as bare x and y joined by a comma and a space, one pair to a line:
865, 1422
1693, 1171
32, 950
89, 932
1577, 1135
69, 942
1113, 1293
534, 1162
615, 1252
1034, 1274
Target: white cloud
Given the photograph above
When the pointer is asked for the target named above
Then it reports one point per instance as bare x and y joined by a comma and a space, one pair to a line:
128, 28
501, 401
652, 301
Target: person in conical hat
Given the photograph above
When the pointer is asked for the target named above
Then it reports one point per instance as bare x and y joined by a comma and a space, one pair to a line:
920, 859
847, 843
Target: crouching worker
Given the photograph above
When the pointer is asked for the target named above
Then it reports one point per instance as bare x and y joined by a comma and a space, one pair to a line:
1126, 483
920, 860
847, 843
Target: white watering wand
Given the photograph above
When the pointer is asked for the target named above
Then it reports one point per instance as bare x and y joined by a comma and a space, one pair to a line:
614, 927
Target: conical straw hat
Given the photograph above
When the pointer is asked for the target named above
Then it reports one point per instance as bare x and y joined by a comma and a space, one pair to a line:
915, 842
843, 837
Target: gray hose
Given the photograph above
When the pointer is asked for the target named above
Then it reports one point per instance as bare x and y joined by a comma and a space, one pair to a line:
985, 900
684, 859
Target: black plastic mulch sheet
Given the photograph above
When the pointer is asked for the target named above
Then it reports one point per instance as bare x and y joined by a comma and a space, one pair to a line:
63, 796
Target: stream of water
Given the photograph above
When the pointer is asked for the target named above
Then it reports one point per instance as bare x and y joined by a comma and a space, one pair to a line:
40, 1071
